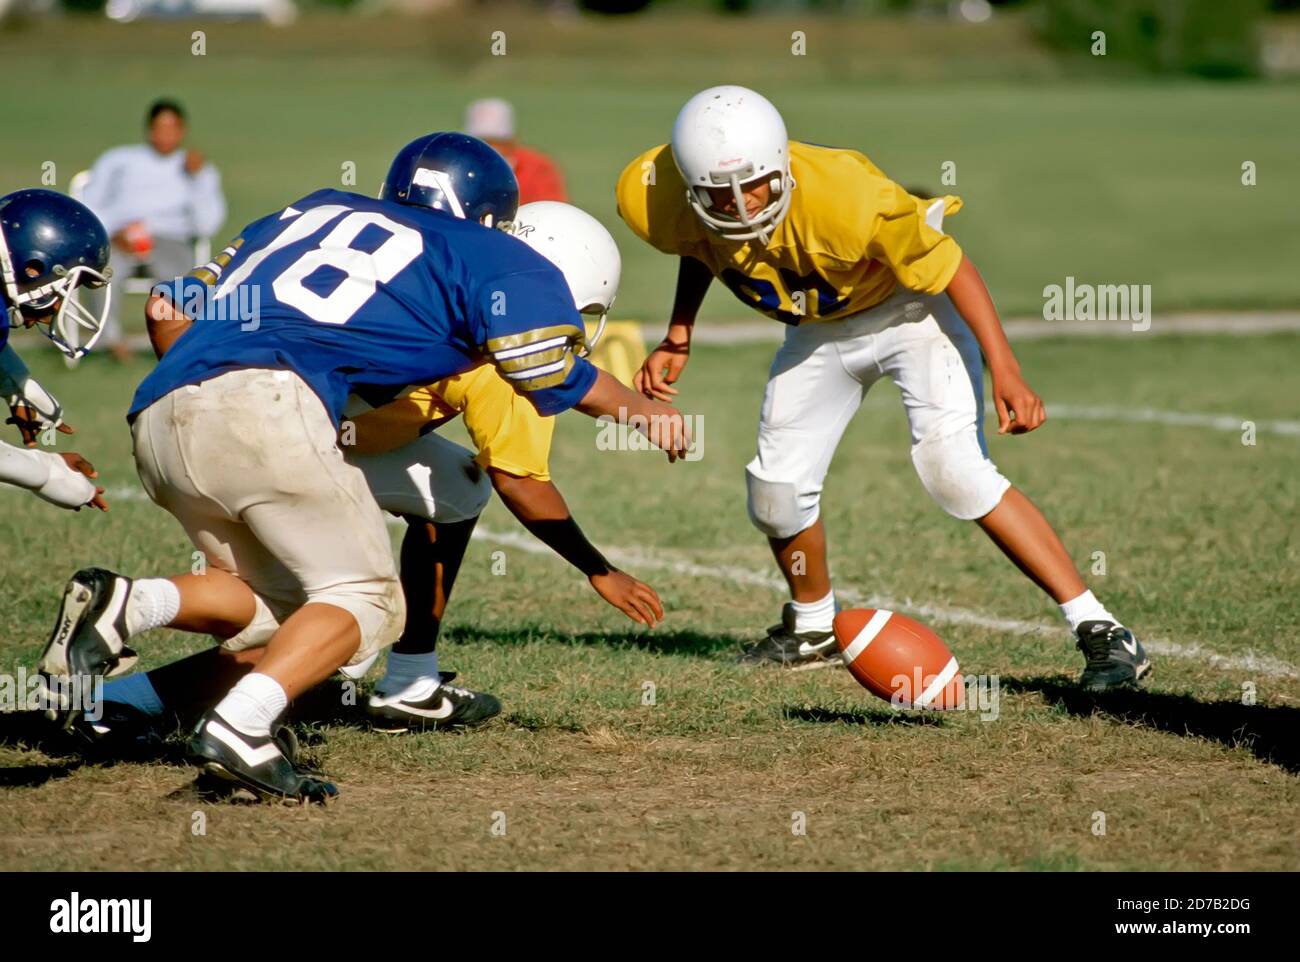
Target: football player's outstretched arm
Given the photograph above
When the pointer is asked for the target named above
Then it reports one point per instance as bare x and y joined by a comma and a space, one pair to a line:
540, 508
667, 361
61, 479
1019, 408
662, 424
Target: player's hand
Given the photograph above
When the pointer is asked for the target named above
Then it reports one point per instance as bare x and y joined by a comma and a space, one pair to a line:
634, 598
1019, 409
666, 429
31, 423
77, 463
194, 161
662, 368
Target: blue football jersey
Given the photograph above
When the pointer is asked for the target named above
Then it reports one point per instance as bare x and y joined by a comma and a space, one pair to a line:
351, 291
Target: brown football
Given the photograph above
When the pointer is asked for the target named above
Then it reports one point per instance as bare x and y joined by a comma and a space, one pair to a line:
899, 659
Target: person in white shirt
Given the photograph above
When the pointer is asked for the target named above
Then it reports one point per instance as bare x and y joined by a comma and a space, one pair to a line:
155, 199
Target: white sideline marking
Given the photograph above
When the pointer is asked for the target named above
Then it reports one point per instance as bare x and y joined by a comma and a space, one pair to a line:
1193, 419
1250, 661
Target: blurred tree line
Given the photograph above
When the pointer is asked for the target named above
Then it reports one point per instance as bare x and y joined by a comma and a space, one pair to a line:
1212, 38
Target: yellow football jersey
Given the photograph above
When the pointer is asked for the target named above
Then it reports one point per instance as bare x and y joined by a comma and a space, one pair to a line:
505, 428
849, 237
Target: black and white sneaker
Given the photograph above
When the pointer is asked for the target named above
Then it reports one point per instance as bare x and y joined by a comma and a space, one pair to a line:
1115, 658
447, 706
791, 649
89, 636
120, 733
257, 763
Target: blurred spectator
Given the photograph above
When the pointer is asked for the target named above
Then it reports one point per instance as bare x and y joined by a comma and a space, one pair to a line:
156, 199
493, 120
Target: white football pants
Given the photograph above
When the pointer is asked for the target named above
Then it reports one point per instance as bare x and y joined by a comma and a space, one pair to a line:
248, 463
819, 378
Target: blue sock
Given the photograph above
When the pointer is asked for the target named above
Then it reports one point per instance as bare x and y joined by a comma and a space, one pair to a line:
137, 691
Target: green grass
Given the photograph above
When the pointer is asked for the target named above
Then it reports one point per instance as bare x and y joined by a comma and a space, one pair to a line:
1200, 552
1078, 170
1066, 168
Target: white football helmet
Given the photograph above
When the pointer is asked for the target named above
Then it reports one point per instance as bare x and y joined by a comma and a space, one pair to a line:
580, 247
732, 136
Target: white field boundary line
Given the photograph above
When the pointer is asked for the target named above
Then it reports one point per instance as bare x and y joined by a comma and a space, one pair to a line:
941, 614
1249, 661
1243, 324
1191, 419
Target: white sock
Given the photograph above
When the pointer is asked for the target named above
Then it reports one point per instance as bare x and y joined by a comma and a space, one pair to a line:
411, 676
1085, 608
254, 704
137, 691
152, 603
814, 615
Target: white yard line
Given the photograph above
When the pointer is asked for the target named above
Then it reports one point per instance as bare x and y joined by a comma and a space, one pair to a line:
1249, 661
1191, 419
635, 560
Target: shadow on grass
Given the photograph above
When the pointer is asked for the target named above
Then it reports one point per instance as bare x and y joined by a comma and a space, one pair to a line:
29, 776
31, 730
1266, 731
862, 716
694, 643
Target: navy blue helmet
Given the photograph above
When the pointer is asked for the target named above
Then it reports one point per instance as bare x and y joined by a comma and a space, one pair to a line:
50, 245
455, 173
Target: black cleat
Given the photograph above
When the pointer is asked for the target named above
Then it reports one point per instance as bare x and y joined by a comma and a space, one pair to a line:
89, 636
261, 764
447, 706
88, 640
790, 649
1115, 658
120, 733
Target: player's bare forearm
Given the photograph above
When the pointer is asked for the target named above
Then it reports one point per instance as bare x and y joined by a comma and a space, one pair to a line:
1019, 409
540, 508
659, 422
165, 323
971, 297
666, 362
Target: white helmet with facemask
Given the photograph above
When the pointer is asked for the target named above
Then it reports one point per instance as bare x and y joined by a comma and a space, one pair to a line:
733, 137
581, 247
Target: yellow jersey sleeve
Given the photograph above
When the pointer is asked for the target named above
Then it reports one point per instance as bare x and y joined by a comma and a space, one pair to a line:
398, 422
922, 258
651, 197
505, 428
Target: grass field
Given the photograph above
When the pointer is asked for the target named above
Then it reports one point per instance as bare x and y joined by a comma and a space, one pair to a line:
1200, 543
1067, 168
